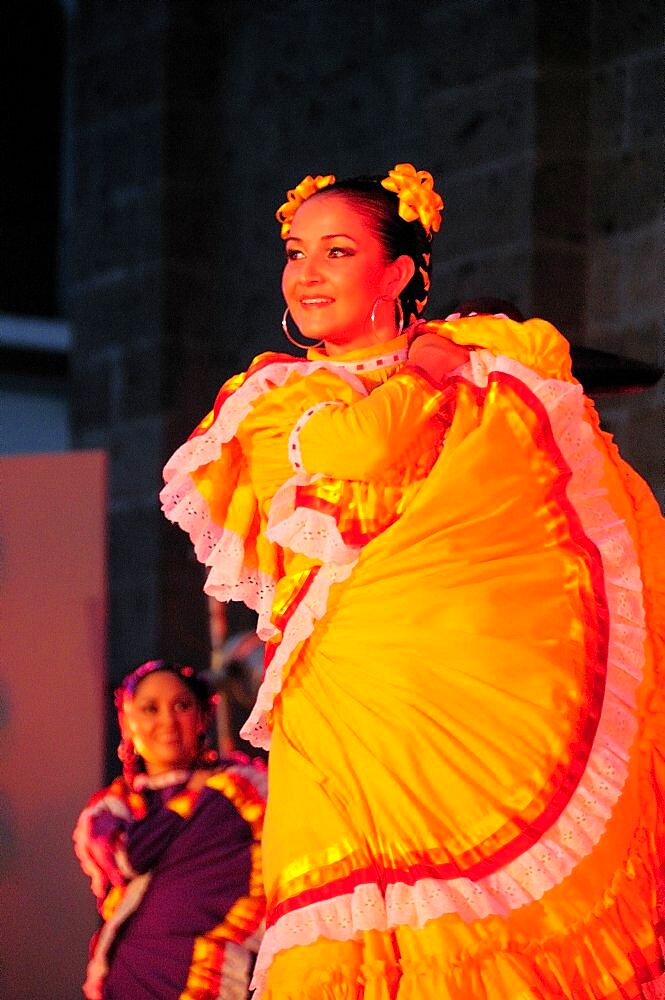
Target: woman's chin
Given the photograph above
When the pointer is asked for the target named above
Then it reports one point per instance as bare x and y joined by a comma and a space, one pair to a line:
312, 332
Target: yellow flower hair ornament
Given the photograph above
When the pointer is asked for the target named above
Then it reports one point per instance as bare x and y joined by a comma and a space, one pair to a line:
417, 197
301, 192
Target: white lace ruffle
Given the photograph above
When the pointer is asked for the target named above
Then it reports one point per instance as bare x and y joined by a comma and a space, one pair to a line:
295, 457
221, 550
301, 529
300, 627
204, 448
572, 836
229, 579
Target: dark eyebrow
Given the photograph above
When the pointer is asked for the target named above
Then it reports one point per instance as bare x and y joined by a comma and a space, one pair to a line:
328, 236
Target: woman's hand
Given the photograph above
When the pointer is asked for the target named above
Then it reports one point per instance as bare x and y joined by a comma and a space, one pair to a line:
437, 355
98, 837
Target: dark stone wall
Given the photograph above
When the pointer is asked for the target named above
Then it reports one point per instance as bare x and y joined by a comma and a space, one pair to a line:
625, 278
541, 123
137, 259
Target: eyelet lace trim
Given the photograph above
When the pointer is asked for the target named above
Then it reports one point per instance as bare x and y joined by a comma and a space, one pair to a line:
230, 578
300, 627
295, 458
302, 529
369, 364
579, 827
203, 448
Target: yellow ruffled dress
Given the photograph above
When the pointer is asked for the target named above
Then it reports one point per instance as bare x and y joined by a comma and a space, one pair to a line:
461, 589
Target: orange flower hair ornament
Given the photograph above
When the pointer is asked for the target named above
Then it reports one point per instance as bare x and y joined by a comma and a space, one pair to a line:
301, 192
414, 188
417, 197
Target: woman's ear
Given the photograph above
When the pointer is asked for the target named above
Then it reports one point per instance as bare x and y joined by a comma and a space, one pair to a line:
401, 270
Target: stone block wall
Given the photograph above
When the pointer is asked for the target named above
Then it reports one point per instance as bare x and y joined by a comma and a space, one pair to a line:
479, 96
624, 307
128, 264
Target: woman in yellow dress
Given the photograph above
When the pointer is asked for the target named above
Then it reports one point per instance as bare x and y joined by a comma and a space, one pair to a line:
458, 582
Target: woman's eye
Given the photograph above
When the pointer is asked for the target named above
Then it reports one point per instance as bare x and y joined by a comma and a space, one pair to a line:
340, 252
183, 706
293, 253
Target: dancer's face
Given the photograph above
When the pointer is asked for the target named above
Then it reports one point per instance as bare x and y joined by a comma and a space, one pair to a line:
336, 269
164, 721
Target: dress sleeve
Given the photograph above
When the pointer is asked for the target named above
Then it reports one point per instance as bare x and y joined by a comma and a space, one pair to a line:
359, 441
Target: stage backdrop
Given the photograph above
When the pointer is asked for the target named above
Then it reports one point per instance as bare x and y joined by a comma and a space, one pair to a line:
53, 611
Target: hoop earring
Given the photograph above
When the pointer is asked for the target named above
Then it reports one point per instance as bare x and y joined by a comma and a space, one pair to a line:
291, 340
398, 308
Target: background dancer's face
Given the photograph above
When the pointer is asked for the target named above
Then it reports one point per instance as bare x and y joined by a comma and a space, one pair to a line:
335, 271
164, 722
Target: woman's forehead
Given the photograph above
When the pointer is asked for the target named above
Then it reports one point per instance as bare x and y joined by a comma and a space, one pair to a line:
329, 214
161, 683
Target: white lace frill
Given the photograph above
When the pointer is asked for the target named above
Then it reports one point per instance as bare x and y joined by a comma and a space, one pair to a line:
580, 825
303, 529
300, 626
231, 577
295, 457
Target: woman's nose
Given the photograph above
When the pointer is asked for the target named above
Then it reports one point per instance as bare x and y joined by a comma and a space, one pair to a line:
310, 270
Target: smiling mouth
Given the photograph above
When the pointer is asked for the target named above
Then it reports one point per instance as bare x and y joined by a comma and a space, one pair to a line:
315, 303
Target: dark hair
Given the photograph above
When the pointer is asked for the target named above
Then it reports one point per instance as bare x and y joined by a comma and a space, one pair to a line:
487, 305
196, 685
380, 209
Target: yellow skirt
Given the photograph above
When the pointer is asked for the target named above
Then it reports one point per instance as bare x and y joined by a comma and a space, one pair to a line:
466, 771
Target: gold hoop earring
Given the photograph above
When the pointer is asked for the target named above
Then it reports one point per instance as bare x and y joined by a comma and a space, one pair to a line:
291, 340
398, 309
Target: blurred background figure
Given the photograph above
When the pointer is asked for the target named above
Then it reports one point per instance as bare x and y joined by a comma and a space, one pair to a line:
172, 849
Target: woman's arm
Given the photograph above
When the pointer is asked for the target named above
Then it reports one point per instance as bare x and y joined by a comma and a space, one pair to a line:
360, 440
99, 839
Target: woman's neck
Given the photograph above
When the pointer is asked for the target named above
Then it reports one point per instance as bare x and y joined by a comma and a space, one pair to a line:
374, 343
